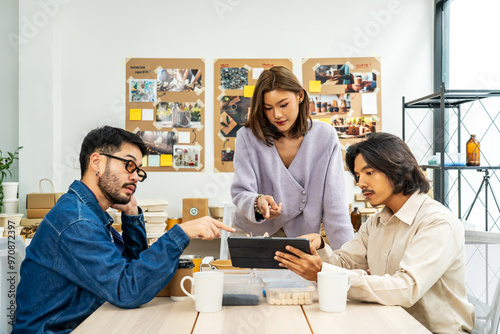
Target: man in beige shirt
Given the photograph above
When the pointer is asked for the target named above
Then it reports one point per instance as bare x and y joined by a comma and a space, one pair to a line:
409, 254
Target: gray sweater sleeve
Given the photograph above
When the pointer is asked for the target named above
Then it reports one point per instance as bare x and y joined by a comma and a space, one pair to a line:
336, 220
244, 188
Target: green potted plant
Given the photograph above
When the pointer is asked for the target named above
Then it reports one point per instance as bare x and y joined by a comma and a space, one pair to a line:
5, 163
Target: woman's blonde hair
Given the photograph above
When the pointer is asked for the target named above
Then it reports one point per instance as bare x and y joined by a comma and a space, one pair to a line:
277, 78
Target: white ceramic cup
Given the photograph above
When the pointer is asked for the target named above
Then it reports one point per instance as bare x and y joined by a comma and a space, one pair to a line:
332, 290
208, 287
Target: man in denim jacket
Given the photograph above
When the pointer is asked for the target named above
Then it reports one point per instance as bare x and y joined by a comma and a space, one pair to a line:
77, 261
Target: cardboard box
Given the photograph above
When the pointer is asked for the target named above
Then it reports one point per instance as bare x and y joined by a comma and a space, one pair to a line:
42, 200
37, 213
193, 208
30, 221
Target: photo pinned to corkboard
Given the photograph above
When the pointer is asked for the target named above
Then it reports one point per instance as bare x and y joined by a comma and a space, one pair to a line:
233, 114
165, 106
178, 114
345, 93
234, 83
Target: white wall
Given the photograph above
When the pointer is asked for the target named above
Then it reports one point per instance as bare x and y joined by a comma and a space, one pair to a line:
9, 83
72, 73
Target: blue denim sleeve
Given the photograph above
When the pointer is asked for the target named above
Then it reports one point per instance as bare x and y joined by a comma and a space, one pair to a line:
88, 258
134, 235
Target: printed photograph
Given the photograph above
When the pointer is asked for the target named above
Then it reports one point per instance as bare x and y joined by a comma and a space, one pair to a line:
233, 77
326, 104
179, 80
334, 74
178, 114
186, 156
363, 82
158, 142
354, 127
233, 114
227, 156
142, 90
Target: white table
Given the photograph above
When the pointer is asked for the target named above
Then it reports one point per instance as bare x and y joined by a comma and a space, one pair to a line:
162, 315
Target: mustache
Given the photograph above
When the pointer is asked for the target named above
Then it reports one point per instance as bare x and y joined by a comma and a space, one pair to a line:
367, 191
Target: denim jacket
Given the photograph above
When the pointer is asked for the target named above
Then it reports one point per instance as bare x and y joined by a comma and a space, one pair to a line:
72, 265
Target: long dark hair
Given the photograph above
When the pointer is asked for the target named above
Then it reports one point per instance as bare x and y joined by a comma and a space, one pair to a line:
107, 140
390, 155
277, 78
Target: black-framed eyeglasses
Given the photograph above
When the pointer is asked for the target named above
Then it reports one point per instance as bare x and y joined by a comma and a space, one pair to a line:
130, 166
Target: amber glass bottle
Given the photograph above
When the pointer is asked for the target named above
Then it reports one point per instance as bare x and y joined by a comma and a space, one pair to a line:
473, 151
356, 219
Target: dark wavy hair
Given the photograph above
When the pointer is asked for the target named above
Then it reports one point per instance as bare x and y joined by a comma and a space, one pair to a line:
277, 78
109, 140
390, 155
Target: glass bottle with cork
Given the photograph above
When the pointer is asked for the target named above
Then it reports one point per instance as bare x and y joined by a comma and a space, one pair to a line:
356, 219
473, 151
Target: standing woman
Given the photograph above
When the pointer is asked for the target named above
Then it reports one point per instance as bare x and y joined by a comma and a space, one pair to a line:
288, 172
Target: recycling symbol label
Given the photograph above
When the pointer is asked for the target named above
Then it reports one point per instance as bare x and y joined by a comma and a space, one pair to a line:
193, 211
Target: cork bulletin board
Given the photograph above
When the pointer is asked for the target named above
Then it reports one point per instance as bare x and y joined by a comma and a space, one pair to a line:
234, 83
345, 93
165, 106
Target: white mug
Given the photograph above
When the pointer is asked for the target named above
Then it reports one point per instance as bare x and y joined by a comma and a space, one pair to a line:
208, 288
332, 290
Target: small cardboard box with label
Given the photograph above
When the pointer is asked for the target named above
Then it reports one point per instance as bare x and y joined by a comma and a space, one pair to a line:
193, 208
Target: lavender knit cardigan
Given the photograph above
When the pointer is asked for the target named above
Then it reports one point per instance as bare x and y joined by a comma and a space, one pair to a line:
311, 188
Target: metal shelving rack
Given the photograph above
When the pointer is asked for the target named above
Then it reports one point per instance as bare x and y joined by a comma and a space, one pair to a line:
444, 134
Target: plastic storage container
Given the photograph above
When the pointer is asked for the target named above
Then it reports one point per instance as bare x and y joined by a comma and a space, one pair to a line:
153, 205
276, 275
293, 292
14, 218
11, 206
450, 159
118, 217
242, 290
12, 231
149, 218
155, 228
155, 217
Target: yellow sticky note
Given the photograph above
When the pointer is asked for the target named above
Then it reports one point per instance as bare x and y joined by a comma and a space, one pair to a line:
248, 91
166, 160
135, 114
326, 120
314, 86
145, 161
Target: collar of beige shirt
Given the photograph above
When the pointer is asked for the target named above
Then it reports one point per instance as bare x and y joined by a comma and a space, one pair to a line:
407, 212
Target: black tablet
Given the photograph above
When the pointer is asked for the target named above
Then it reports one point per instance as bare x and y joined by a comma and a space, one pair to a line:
258, 252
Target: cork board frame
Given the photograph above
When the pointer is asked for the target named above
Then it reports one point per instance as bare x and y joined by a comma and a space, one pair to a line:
165, 105
345, 93
234, 80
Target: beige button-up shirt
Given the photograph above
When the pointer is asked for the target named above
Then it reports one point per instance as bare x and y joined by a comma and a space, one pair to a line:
416, 259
